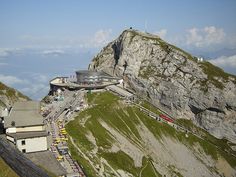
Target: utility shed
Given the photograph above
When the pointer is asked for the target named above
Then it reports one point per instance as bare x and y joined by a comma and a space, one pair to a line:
25, 128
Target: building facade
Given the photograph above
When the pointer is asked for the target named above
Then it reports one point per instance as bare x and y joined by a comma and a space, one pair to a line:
29, 143
94, 77
84, 79
24, 127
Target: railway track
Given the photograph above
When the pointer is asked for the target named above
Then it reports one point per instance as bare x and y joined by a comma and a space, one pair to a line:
178, 127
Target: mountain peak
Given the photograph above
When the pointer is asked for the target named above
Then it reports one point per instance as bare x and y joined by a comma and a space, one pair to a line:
141, 33
172, 79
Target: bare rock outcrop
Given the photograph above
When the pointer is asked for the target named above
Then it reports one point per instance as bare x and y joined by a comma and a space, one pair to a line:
173, 80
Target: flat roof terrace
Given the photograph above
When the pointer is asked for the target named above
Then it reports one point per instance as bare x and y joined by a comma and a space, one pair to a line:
63, 82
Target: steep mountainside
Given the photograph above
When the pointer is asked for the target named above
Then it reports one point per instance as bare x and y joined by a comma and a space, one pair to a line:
173, 80
114, 138
9, 95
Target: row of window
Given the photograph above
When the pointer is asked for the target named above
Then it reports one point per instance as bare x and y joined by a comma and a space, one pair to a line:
90, 77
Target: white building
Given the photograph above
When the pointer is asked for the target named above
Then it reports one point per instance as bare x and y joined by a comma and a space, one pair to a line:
24, 127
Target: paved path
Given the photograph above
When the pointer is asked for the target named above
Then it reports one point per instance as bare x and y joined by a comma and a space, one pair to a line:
56, 120
46, 160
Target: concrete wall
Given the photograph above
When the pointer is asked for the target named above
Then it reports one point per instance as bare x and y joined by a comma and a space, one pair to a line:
32, 144
10, 139
11, 130
30, 129
55, 81
25, 129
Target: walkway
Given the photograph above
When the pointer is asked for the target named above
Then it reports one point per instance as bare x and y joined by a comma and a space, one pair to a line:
56, 120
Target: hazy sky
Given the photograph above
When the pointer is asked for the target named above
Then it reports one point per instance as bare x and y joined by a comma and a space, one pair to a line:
44, 38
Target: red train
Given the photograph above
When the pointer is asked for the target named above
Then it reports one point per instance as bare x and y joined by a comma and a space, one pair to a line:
166, 118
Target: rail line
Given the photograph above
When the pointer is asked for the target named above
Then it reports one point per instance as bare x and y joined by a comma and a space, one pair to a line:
176, 126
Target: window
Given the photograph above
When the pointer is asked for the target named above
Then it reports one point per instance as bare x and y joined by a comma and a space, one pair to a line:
23, 142
13, 123
23, 150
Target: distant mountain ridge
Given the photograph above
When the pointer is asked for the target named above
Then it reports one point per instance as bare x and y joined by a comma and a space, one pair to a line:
9, 95
174, 80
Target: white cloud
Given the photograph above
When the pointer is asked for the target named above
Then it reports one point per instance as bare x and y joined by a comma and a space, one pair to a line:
53, 52
162, 33
36, 86
207, 36
12, 80
193, 37
101, 37
225, 61
214, 35
5, 52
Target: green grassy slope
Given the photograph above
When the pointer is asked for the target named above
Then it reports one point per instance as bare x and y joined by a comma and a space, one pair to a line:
125, 119
10, 93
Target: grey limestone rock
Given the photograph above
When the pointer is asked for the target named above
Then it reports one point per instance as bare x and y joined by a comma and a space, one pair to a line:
173, 80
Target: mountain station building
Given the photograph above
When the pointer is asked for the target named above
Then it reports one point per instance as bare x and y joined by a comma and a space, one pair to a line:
25, 128
85, 79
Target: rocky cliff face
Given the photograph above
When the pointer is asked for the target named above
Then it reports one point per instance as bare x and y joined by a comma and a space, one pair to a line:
9, 95
173, 80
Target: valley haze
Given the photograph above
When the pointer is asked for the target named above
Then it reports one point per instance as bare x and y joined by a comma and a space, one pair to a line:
40, 40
